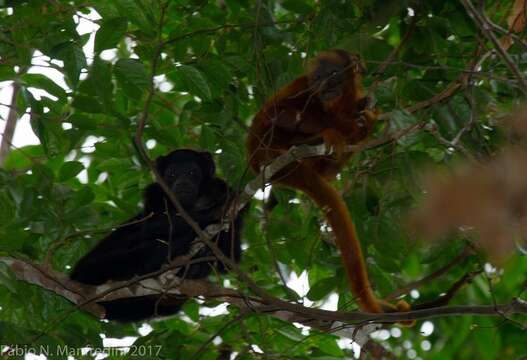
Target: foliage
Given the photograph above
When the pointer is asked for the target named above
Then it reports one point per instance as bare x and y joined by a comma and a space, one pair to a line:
218, 62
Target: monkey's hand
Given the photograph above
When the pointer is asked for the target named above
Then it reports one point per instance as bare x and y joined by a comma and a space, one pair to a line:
335, 141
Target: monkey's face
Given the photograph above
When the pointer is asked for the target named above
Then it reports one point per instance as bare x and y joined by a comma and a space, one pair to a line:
185, 179
332, 72
327, 80
186, 171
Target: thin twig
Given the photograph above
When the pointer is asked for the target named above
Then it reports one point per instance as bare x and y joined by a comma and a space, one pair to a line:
467, 251
453, 87
481, 22
224, 328
384, 65
445, 298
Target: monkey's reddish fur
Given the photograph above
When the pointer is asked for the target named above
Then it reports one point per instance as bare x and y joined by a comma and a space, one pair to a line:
300, 113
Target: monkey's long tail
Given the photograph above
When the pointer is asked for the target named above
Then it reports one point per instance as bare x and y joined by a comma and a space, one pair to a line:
338, 217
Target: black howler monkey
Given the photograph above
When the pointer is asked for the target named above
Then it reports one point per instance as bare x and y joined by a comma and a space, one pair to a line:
158, 234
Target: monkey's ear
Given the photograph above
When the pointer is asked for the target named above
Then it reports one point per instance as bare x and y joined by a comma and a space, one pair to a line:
161, 163
207, 163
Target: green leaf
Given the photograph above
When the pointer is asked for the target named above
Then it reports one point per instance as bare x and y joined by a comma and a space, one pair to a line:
74, 60
298, 6
83, 197
100, 78
133, 10
191, 308
39, 128
70, 169
188, 78
82, 121
488, 341
7, 210
43, 82
218, 74
291, 333
87, 103
132, 76
321, 288
110, 33
6, 72
21, 158
329, 346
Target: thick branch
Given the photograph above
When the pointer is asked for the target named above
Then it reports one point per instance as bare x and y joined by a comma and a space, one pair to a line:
10, 125
61, 285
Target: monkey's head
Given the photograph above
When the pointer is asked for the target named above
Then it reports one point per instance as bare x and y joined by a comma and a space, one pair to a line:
186, 172
331, 72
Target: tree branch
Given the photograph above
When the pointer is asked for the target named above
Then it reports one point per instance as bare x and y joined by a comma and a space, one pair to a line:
322, 319
467, 251
10, 125
480, 21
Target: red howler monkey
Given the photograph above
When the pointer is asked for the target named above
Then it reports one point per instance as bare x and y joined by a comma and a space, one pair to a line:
325, 105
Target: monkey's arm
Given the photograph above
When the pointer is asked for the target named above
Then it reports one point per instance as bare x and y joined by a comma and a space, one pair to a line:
121, 264
136, 249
